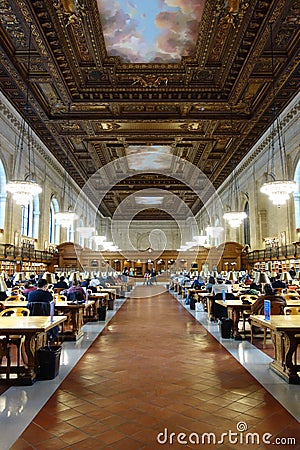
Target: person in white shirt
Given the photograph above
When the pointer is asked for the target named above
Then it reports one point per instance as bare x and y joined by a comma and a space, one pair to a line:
94, 282
217, 311
220, 286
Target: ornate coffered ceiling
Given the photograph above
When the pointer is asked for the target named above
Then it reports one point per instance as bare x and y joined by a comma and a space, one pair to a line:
208, 109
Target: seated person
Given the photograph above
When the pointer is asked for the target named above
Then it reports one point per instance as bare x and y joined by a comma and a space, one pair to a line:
197, 283
219, 311
28, 287
258, 306
220, 286
278, 283
94, 283
211, 282
76, 292
61, 283
32, 279
39, 305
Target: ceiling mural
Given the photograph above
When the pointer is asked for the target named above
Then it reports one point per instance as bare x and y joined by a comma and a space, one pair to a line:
147, 158
140, 31
148, 200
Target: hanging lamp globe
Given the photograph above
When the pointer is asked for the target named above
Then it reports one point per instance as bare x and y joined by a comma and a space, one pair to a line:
65, 218
235, 218
99, 239
279, 191
214, 232
85, 231
23, 191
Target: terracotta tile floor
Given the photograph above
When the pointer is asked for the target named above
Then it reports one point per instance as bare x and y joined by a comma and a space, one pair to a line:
155, 368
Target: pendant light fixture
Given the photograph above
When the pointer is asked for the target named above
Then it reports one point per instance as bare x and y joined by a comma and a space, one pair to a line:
85, 231
24, 189
278, 190
234, 216
66, 218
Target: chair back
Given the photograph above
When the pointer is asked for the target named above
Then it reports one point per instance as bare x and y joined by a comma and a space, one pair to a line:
39, 308
13, 298
75, 296
278, 291
15, 312
58, 290
277, 306
292, 310
293, 296
61, 298
250, 297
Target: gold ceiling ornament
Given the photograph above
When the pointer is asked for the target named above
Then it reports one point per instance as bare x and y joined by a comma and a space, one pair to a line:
150, 81
73, 10
232, 11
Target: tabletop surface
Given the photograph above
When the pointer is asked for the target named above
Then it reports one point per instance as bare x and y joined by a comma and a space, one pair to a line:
66, 304
99, 294
238, 302
279, 322
29, 323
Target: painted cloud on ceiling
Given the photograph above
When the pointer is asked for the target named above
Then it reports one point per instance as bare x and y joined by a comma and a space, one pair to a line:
142, 31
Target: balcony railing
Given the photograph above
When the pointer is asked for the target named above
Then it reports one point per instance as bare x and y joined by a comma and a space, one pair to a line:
289, 251
11, 252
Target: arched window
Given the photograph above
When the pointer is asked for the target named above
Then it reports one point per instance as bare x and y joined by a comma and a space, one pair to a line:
26, 227
2, 195
81, 237
71, 233
53, 225
247, 225
297, 196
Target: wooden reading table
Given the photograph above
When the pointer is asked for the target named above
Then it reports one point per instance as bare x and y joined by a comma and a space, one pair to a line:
34, 328
234, 310
236, 307
285, 335
77, 311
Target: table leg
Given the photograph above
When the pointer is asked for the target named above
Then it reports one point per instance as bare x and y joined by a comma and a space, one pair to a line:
234, 314
32, 343
285, 346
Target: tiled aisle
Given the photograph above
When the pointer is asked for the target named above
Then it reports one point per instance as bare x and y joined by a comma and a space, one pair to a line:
155, 368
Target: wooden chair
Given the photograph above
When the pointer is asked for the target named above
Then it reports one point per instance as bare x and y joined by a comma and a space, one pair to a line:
293, 296
58, 290
250, 298
292, 310
17, 340
15, 298
277, 308
279, 291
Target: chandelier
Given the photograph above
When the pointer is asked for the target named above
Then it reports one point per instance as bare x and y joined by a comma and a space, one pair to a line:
24, 190
278, 191
66, 218
214, 232
234, 216
85, 231
99, 240
201, 239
